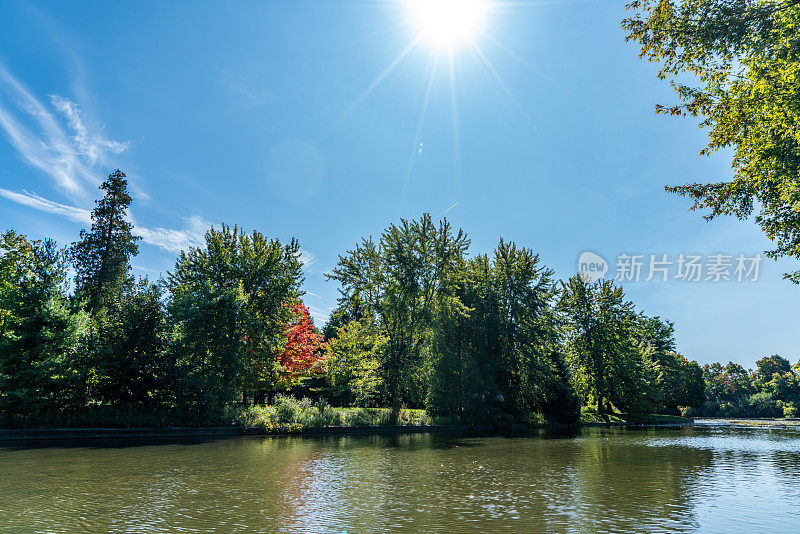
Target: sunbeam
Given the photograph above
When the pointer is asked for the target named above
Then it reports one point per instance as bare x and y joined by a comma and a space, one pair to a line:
456, 129
379, 78
445, 27
499, 79
423, 112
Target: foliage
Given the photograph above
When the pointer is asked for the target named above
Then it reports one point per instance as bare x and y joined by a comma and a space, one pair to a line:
482, 340
353, 367
674, 381
302, 354
129, 362
101, 256
732, 391
601, 344
399, 284
502, 354
227, 307
40, 336
770, 365
472, 339
288, 414
589, 415
742, 57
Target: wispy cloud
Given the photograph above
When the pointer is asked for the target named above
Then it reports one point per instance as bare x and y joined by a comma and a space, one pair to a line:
319, 314
53, 139
308, 260
78, 215
169, 239
92, 147
172, 240
147, 270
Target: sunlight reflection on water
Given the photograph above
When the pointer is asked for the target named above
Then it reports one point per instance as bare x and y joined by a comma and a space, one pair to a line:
709, 479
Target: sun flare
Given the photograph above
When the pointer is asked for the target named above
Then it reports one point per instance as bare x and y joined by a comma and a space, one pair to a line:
448, 22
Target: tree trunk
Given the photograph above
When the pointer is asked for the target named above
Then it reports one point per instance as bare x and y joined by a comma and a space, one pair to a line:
395, 406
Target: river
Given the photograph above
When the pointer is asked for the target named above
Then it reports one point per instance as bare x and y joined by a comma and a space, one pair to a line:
708, 479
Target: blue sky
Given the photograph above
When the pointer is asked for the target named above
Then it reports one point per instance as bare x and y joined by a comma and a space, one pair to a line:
306, 119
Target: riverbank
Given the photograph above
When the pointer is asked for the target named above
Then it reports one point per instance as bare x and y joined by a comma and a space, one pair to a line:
91, 434
591, 418
749, 422
70, 434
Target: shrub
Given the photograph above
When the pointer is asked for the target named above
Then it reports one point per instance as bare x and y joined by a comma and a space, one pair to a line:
763, 405
791, 409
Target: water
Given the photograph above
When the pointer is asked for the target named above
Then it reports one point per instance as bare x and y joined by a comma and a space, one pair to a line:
601, 480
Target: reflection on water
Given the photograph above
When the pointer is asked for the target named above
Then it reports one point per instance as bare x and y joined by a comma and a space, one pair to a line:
601, 480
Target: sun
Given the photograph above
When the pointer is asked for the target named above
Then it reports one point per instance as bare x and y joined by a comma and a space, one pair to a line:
448, 22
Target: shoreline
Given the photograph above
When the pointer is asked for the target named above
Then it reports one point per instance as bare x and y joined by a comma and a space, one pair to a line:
748, 422
54, 435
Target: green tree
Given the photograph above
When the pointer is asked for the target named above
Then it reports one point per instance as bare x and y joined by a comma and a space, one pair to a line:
399, 284
101, 257
454, 379
500, 357
674, 381
769, 365
532, 372
693, 387
601, 343
229, 304
354, 359
743, 62
131, 364
40, 336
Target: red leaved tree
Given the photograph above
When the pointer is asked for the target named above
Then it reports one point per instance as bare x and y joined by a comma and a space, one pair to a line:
303, 353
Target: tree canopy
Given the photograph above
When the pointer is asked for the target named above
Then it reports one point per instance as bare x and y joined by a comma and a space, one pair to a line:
735, 64
484, 339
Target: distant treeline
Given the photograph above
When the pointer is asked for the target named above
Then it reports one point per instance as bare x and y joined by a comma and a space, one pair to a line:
771, 390
420, 324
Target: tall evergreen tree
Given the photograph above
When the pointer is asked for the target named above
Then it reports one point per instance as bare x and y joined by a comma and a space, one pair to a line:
101, 257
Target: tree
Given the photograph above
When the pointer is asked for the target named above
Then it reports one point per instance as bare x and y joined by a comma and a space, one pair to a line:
769, 365
341, 316
532, 372
131, 365
498, 357
398, 284
40, 336
674, 381
353, 364
101, 257
303, 353
727, 387
229, 308
601, 343
693, 388
743, 55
